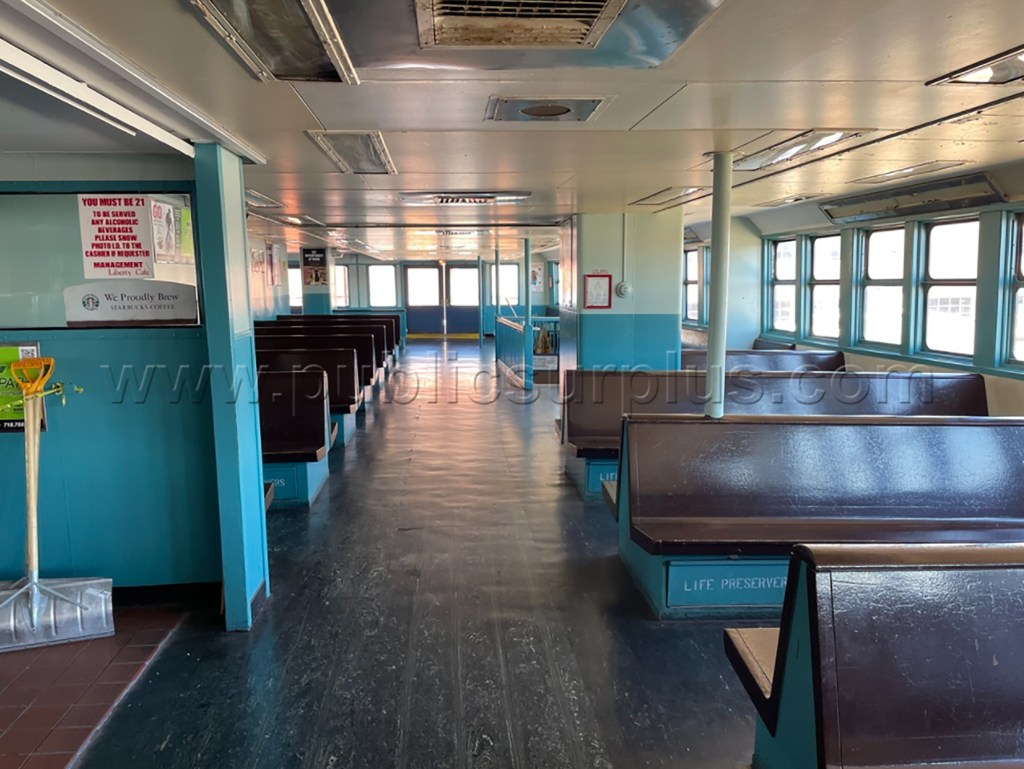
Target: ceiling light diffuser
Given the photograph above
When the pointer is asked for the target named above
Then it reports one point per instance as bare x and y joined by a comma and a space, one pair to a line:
910, 171
1001, 69
355, 152
804, 144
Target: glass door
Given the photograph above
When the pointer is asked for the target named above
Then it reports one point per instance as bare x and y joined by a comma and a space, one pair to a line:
424, 309
463, 299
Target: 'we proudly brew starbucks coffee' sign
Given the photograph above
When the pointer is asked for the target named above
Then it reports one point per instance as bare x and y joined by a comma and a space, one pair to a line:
13, 419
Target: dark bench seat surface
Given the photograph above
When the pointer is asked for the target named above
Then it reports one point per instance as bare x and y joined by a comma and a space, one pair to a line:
294, 418
596, 400
767, 360
362, 343
296, 450
919, 660
761, 484
340, 365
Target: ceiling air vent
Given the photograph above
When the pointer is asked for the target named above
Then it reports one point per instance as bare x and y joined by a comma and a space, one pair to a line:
957, 194
463, 198
515, 23
355, 152
787, 201
557, 109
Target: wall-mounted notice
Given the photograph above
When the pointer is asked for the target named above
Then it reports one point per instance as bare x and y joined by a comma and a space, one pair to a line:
12, 418
112, 303
314, 267
117, 236
597, 291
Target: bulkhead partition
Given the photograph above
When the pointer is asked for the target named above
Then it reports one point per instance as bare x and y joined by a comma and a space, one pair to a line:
596, 401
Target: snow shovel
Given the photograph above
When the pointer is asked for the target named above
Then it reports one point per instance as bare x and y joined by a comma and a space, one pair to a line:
35, 612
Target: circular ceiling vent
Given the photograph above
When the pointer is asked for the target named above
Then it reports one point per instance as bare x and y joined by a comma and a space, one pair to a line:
546, 110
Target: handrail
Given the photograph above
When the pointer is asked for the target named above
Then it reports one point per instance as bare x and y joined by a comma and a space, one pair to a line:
512, 324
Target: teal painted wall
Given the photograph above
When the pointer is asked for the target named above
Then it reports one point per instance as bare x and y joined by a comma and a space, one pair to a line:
127, 484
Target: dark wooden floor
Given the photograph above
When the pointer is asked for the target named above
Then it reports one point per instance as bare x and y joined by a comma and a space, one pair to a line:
447, 602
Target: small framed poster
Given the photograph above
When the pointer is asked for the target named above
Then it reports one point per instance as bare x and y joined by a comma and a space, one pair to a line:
597, 292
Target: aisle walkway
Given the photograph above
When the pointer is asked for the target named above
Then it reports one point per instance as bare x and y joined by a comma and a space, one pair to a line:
447, 602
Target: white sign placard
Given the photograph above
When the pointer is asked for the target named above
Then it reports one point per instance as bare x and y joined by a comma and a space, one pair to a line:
117, 236
130, 303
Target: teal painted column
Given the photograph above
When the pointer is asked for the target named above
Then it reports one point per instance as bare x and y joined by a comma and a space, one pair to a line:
224, 254
528, 319
718, 311
995, 298
317, 298
482, 294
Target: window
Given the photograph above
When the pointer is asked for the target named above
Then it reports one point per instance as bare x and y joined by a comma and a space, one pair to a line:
883, 287
783, 286
950, 286
295, 287
1017, 348
693, 273
383, 289
424, 286
509, 285
341, 298
463, 287
824, 285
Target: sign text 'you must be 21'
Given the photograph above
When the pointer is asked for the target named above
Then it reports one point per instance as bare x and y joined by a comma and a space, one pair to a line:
117, 236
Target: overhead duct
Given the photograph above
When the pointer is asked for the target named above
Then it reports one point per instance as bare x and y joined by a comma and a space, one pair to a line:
957, 194
515, 23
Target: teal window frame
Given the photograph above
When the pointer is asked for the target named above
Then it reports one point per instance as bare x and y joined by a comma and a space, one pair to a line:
768, 324
702, 282
862, 256
927, 283
1016, 287
812, 282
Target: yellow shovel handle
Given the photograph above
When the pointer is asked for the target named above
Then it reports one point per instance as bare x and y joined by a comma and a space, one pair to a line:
32, 374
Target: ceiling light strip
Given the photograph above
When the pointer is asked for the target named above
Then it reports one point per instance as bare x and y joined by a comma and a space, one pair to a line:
55, 79
327, 31
55, 22
956, 75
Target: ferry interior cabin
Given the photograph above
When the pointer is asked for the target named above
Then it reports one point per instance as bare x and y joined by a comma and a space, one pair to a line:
511, 384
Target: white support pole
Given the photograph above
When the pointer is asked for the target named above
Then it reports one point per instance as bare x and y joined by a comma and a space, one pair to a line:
718, 315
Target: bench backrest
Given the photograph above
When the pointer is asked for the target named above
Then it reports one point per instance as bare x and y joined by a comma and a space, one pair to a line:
920, 654
339, 365
389, 340
377, 332
397, 318
768, 344
767, 360
293, 410
824, 468
596, 400
363, 344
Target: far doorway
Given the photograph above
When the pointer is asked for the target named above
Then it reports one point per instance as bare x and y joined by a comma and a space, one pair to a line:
442, 299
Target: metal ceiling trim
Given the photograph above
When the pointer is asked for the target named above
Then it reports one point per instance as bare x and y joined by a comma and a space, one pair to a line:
56, 23
234, 39
323, 24
376, 137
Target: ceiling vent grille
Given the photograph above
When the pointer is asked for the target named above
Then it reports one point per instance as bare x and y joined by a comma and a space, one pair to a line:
463, 198
515, 23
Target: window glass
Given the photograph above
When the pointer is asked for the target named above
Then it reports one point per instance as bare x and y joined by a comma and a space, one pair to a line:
424, 286
949, 321
509, 285
295, 287
826, 258
885, 254
825, 310
785, 260
784, 308
883, 314
341, 298
953, 251
692, 266
383, 291
692, 301
1018, 326
464, 287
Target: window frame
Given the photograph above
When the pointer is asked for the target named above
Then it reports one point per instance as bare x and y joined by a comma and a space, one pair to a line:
1016, 287
495, 299
866, 282
369, 285
294, 273
926, 283
341, 269
701, 281
771, 251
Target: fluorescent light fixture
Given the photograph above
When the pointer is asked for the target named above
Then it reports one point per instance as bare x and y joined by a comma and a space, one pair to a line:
463, 198
1001, 69
946, 195
255, 199
51, 81
911, 171
788, 201
804, 144
355, 152
668, 195
279, 40
297, 221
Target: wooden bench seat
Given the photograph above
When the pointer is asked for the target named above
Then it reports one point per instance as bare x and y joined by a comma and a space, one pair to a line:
767, 360
363, 344
595, 401
890, 655
706, 504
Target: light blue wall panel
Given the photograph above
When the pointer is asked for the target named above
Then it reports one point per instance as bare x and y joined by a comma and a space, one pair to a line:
127, 488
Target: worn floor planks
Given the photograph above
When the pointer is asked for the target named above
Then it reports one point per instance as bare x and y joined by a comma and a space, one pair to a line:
447, 602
